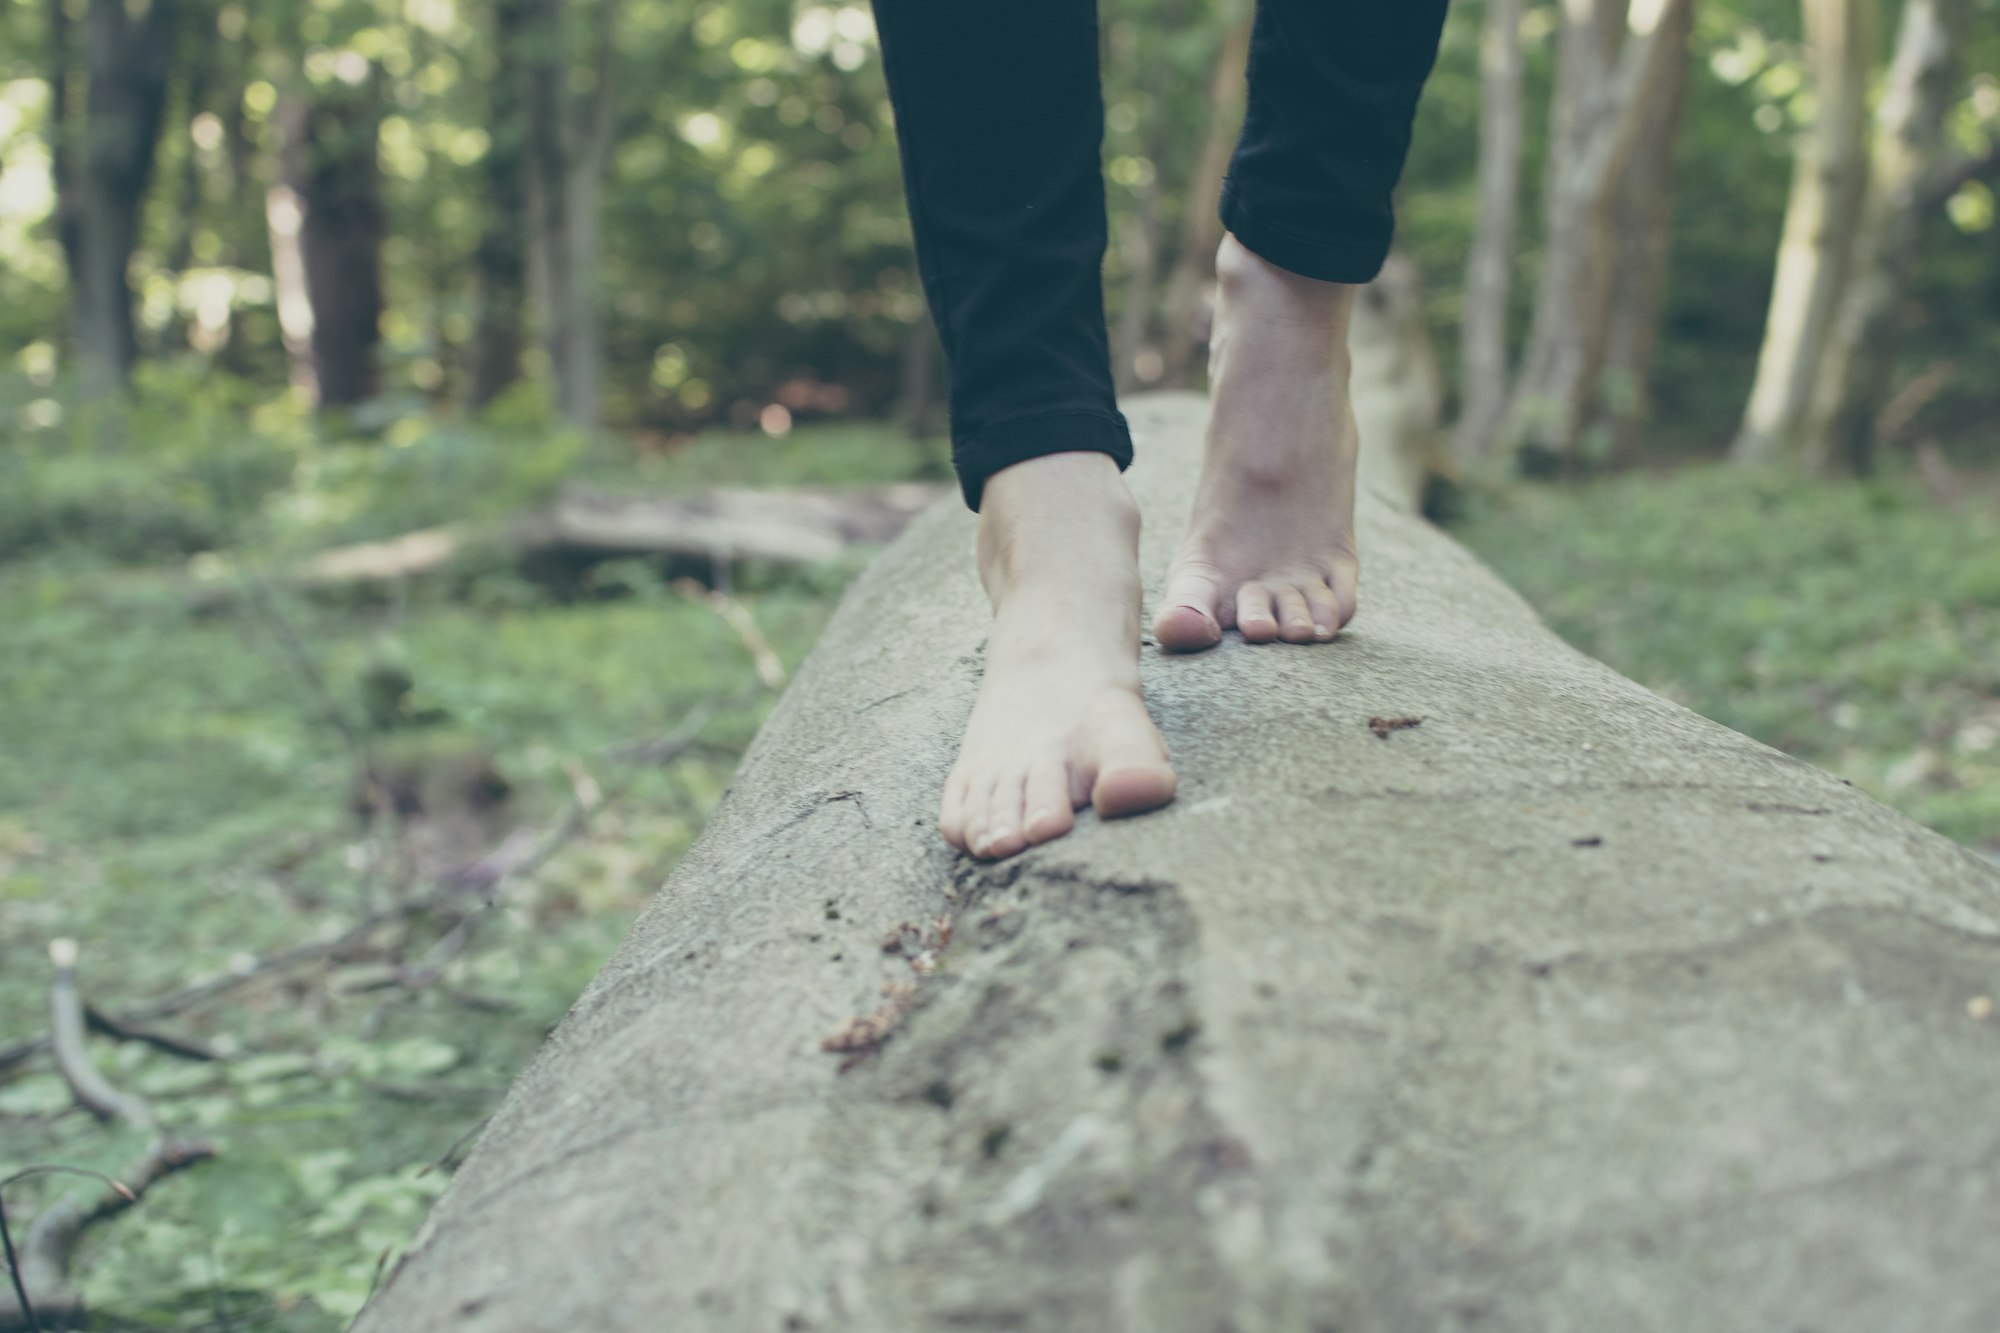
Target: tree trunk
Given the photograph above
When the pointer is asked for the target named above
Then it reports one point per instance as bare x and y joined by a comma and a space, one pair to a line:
502, 255
1642, 231
1489, 269
103, 170
1828, 181
1467, 984
920, 397
1859, 362
328, 224
1611, 66
1183, 312
568, 142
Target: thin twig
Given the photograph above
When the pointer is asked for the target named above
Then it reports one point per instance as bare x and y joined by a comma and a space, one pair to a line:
736, 615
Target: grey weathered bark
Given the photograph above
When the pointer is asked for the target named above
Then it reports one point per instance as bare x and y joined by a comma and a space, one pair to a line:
1183, 315
1613, 60
327, 228
1565, 1009
1489, 268
1642, 246
502, 257
1829, 179
1858, 365
568, 142
103, 167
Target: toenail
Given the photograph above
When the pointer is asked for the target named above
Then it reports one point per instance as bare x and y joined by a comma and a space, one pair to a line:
1000, 835
1322, 631
1039, 815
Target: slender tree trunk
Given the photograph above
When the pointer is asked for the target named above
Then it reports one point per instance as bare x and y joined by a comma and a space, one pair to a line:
1612, 61
327, 229
109, 166
569, 139
1858, 365
1489, 268
1642, 231
1183, 319
502, 255
1828, 182
1142, 246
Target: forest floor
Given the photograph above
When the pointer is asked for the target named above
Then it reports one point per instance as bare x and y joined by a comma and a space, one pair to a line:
180, 799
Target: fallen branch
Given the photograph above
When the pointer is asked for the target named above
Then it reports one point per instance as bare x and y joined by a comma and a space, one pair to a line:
737, 616
40, 1270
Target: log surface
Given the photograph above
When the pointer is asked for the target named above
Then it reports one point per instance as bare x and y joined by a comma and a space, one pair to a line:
1561, 1010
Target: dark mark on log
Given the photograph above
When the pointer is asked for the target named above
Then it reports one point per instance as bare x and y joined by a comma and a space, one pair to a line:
1383, 727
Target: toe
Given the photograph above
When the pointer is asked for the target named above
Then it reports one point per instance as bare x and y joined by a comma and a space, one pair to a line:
951, 811
1002, 836
1132, 771
1045, 802
978, 802
1186, 621
1325, 608
1255, 619
1295, 621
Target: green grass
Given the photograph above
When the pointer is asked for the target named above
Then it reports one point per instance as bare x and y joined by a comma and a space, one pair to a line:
1855, 625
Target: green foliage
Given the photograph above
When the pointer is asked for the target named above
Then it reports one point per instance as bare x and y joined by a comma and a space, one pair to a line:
1854, 625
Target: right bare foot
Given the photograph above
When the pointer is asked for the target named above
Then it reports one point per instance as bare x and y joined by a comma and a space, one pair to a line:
1059, 721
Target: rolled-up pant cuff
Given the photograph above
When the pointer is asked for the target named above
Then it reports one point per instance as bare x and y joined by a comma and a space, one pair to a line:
1005, 443
1351, 259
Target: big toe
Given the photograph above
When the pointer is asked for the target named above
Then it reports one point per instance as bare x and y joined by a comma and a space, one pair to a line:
1132, 788
1185, 629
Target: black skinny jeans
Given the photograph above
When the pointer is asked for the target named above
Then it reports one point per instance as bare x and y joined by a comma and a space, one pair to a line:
1000, 122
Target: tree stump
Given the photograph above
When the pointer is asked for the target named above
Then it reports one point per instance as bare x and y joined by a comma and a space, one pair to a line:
1467, 985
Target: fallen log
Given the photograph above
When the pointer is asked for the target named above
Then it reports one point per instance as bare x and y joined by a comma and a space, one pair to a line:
1466, 985
801, 526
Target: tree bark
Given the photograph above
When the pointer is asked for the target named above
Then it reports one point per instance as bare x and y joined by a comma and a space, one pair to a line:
1464, 976
1642, 232
568, 142
1829, 179
503, 244
1858, 366
1489, 268
1183, 310
1611, 66
329, 223
103, 170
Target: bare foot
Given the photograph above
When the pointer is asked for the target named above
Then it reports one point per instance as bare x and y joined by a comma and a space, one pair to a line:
1269, 549
1059, 721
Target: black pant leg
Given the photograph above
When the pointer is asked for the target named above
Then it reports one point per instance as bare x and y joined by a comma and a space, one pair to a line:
999, 120
1333, 88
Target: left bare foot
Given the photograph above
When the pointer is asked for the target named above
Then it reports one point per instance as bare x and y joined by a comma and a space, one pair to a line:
1269, 549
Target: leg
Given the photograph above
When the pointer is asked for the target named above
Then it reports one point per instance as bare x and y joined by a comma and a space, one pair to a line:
1269, 549
999, 118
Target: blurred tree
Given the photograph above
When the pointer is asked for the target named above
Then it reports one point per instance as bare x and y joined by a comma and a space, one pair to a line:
103, 166
1829, 179
1183, 314
1642, 240
1613, 62
501, 259
1907, 183
1489, 268
569, 137
328, 222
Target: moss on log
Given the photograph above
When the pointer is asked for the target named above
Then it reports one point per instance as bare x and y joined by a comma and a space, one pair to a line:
1467, 985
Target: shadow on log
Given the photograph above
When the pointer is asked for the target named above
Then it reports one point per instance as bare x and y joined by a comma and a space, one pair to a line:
1466, 985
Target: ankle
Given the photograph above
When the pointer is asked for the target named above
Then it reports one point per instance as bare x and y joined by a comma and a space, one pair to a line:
1246, 280
1067, 510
